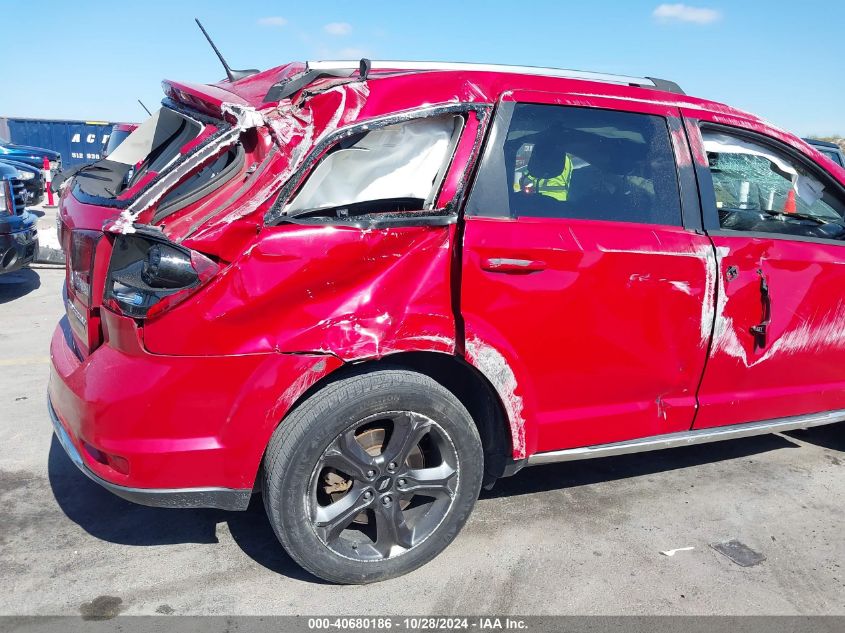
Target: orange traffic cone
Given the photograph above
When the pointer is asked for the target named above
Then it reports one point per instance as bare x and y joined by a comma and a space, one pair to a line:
789, 205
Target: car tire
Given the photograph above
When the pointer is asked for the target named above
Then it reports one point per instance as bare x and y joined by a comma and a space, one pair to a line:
403, 497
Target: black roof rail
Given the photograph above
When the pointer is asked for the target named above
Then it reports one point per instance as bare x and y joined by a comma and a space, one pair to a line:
667, 86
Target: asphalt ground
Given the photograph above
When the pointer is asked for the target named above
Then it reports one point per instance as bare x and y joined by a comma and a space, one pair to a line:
575, 538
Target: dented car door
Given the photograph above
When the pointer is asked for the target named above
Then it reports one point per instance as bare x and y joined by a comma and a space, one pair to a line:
587, 289
776, 220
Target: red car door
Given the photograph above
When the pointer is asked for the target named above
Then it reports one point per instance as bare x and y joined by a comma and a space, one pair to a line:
587, 303
776, 220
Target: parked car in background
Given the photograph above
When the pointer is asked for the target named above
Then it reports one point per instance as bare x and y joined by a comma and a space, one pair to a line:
30, 155
28, 184
18, 234
831, 150
119, 132
321, 282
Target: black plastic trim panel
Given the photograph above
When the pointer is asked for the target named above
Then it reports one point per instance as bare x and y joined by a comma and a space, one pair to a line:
376, 221
170, 207
690, 202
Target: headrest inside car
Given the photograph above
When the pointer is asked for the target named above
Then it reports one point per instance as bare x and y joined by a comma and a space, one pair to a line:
547, 159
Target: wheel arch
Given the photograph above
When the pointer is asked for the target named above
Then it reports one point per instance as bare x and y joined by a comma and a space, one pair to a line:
463, 380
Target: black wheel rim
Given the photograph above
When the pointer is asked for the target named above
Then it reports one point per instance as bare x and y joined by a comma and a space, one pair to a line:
382, 501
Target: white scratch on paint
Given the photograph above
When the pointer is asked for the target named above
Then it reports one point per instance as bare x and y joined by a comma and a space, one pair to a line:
683, 286
711, 274
825, 331
490, 362
702, 251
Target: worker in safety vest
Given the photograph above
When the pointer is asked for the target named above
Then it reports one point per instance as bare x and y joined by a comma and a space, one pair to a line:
556, 187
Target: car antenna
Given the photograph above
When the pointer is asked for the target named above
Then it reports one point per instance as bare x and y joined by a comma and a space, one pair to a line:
145, 107
233, 75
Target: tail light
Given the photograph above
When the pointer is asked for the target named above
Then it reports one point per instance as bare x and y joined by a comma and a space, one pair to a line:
81, 269
80, 247
148, 275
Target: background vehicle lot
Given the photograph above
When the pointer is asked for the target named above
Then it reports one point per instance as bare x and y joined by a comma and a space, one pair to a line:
573, 538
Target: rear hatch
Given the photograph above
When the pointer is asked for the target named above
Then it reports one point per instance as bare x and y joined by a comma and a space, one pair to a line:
186, 192
180, 167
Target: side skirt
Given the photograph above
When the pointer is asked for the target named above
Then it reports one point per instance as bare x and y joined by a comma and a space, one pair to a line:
687, 438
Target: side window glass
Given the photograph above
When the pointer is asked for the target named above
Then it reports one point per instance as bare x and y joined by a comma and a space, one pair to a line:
760, 189
585, 163
390, 169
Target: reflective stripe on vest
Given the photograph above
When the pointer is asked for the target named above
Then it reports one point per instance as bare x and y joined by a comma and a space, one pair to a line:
557, 187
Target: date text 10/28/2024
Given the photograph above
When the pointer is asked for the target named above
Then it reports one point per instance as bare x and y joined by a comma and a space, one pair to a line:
387, 623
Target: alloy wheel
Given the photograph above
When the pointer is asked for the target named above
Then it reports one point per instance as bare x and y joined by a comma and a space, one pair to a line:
383, 486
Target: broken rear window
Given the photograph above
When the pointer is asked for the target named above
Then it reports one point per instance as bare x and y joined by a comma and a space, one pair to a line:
152, 147
395, 168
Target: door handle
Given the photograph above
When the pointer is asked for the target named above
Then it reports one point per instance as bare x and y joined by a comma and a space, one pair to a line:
512, 265
761, 329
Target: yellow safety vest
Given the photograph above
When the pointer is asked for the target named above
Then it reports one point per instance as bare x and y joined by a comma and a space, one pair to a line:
557, 187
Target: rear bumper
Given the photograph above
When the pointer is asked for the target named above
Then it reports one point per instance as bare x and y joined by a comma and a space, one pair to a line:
222, 498
172, 431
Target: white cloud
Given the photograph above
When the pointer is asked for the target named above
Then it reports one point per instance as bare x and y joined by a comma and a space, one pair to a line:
273, 20
338, 28
686, 13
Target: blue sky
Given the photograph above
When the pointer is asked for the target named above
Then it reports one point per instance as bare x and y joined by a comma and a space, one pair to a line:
92, 60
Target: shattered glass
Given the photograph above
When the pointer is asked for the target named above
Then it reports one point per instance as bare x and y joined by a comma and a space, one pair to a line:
758, 189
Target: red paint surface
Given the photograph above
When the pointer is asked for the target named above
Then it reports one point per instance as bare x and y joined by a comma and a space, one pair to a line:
799, 370
605, 340
178, 421
339, 290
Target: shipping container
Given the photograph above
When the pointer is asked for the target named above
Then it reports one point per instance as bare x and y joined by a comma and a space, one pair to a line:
77, 141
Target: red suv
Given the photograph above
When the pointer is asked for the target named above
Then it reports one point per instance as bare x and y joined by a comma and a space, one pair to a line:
368, 290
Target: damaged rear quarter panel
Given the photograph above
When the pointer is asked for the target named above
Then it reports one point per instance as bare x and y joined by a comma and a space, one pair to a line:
493, 365
354, 293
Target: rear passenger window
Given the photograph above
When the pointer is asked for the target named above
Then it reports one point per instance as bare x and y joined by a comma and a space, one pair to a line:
760, 189
586, 163
396, 168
